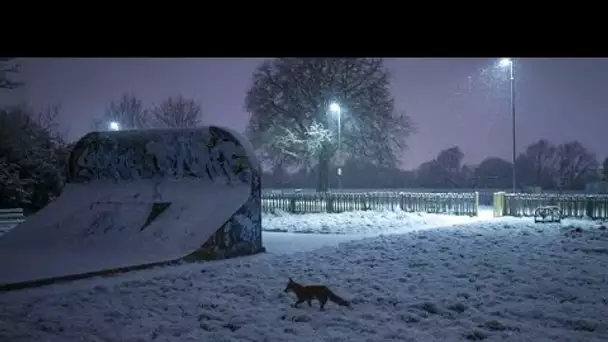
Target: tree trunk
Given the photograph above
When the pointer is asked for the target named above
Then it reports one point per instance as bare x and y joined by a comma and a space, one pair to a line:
323, 171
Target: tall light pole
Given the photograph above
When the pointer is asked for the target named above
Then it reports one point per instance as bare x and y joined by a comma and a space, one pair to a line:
508, 63
335, 109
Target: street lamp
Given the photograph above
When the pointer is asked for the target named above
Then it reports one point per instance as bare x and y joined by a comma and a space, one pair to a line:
114, 126
508, 63
335, 109
505, 62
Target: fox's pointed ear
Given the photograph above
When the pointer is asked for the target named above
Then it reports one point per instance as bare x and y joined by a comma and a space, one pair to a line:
290, 280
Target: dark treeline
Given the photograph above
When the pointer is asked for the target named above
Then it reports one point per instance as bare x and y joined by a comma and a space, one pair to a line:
568, 166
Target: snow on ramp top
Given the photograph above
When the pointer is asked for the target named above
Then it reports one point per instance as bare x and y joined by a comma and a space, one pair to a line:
140, 197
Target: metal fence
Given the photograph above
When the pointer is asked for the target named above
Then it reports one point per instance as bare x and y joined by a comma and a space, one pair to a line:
9, 218
485, 194
443, 203
572, 205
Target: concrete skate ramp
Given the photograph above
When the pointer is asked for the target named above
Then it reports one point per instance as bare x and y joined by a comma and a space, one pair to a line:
138, 198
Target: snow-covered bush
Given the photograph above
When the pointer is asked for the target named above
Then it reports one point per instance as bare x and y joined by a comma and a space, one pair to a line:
32, 157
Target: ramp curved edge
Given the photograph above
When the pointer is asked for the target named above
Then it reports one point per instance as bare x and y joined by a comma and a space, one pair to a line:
246, 221
164, 195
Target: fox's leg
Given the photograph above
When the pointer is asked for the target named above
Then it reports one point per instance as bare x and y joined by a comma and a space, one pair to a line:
309, 303
322, 301
300, 301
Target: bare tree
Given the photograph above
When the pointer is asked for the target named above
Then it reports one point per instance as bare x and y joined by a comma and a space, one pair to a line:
575, 163
289, 103
127, 113
538, 166
7, 69
443, 171
450, 159
47, 119
177, 112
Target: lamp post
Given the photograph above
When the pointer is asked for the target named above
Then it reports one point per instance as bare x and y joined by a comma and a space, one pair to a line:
508, 63
335, 109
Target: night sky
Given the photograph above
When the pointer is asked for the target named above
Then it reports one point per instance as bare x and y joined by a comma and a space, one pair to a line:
461, 102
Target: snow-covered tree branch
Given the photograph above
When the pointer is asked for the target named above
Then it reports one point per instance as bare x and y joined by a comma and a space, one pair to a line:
304, 146
32, 157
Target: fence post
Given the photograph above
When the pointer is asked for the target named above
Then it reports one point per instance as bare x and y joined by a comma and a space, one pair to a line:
329, 201
292, 205
476, 209
589, 207
499, 204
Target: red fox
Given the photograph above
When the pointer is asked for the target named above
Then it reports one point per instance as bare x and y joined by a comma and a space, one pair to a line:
306, 293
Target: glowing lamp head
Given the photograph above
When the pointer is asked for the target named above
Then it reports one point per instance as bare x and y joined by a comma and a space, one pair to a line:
334, 107
505, 62
114, 126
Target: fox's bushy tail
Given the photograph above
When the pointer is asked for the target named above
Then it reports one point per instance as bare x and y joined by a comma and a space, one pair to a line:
337, 299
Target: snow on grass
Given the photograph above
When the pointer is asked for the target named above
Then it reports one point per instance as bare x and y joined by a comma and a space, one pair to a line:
499, 280
359, 222
284, 243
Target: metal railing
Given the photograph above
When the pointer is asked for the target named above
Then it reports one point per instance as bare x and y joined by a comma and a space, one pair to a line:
485, 195
571, 205
9, 218
443, 203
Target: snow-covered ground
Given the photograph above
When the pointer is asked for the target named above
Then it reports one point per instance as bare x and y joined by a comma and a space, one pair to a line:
478, 279
368, 223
